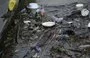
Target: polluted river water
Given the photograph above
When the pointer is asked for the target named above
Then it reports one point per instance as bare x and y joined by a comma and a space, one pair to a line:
58, 2
60, 41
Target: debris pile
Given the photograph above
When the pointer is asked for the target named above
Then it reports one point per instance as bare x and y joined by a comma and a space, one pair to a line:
67, 36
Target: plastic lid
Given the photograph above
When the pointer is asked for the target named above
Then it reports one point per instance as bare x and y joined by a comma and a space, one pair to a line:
48, 24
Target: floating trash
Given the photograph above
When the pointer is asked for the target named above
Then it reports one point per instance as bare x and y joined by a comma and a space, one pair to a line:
38, 10
70, 22
23, 10
84, 46
88, 24
33, 6
36, 56
26, 22
79, 6
38, 49
85, 12
57, 19
48, 24
42, 11
16, 51
12, 4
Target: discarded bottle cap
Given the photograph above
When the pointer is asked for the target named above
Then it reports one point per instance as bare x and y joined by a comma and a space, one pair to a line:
48, 24
88, 24
85, 12
79, 6
33, 6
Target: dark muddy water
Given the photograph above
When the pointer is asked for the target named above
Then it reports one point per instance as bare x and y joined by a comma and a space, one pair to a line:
3, 10
58, 2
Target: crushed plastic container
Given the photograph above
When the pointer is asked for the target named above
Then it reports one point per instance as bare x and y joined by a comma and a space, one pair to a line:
33, 7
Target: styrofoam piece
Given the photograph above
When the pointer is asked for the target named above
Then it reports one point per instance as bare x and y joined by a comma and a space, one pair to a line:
48, 24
